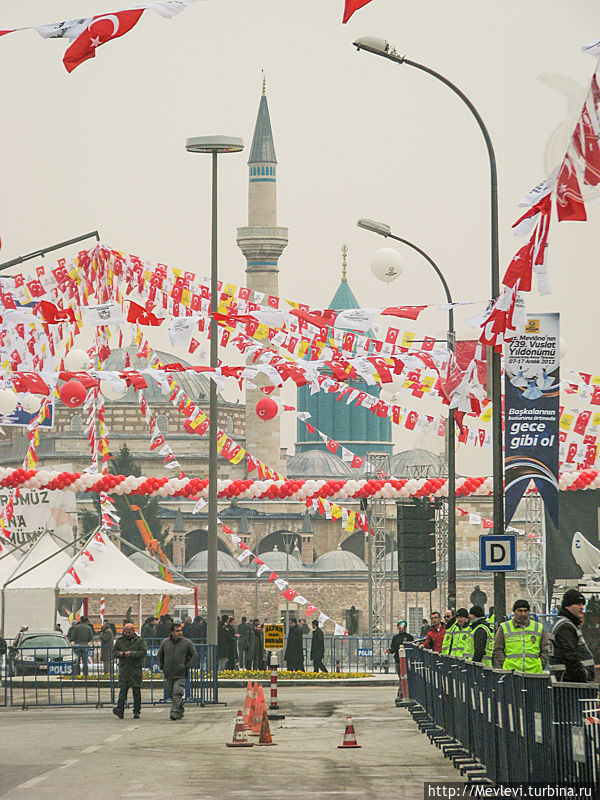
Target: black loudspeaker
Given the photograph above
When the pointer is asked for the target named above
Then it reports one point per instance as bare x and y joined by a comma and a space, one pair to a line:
416, 545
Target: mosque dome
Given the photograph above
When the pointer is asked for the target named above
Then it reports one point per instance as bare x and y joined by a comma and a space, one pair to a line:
417, 463
339, 561
275, 560
148, 564
225, 562
318, 464
195, 385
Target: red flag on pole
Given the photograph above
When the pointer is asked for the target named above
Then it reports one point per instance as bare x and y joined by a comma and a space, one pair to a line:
101, 29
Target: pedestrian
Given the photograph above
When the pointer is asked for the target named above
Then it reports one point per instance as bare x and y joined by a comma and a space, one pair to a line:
457, 634
130, 651
81, 636
244, 629
304, 628
398, 640
187, 628
317, 648
256, 648
435, 635
520, 643
201, 627
480, 643
3, 649
222, 642
149, 628
175, 657
294, 653
570, 657
231, 643
163, 628
107, 641
424, 628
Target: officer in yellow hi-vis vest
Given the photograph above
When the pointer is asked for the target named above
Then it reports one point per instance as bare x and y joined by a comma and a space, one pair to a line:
456, 635
521, 643
480, 646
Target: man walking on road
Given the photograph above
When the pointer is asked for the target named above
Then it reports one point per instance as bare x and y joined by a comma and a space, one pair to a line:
130, 651
317, 648
398, 641
175, 656
294, 654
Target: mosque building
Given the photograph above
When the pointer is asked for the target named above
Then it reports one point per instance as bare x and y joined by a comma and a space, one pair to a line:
324, 563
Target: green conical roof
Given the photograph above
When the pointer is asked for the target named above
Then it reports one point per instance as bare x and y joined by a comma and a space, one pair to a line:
344, 297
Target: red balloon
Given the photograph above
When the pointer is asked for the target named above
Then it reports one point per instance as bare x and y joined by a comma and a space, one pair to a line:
72, 393
267, 408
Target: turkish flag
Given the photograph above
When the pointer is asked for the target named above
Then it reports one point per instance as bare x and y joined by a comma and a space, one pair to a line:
357, 462
569, 203
520, 269
100, 29
140, 315
407, 312
352, 6
585, 143
289, 594
29, 382
53, 315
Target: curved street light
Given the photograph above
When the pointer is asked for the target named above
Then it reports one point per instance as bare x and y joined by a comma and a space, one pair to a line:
381, 47
384, 230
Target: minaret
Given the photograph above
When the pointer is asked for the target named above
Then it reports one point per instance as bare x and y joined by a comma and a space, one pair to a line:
262, 242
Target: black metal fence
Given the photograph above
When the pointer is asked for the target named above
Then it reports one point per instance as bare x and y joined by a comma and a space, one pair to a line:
519, 727
79, 676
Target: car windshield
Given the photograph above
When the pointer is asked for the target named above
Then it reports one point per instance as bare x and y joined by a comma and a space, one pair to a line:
45, 640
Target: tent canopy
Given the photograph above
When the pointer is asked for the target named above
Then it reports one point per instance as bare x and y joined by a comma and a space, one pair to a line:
42, 576
101, 568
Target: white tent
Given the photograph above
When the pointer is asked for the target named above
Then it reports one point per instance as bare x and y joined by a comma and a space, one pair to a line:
29, 592
101, 568
8, 564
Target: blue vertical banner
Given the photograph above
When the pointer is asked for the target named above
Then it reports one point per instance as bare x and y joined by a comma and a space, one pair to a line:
532, 385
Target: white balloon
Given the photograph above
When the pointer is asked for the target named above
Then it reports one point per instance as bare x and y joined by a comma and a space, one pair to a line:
387, 264
77, 360
31, 403
8, 401
113, 390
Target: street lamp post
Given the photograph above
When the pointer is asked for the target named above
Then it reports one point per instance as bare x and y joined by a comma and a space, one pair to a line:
381, 47
384, 230
288, 539
215, 145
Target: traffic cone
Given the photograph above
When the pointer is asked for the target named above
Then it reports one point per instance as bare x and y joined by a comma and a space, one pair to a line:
249, 717
265, 737
240, 737
247, 704
258, 712
349, 735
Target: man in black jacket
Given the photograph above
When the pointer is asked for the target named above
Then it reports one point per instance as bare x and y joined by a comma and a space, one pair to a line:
175, 656
317, 648
570, 657
294, 654
81, 636
398, 641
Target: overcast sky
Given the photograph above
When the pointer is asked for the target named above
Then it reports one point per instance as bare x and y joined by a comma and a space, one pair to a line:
355, 135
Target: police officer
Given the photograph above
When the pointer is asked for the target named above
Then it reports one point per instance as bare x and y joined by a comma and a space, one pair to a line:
480, 645
570, 657
521, 643
457, 635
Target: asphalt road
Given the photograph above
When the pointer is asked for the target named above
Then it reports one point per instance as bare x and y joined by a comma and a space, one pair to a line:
87, 753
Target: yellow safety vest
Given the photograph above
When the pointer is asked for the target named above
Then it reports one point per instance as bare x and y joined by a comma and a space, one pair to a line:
469, 650
448, 637
522, 646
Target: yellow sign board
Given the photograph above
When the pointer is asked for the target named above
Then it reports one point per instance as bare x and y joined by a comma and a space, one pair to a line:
273, 636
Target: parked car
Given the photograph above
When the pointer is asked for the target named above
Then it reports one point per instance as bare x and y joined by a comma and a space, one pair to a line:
48, 653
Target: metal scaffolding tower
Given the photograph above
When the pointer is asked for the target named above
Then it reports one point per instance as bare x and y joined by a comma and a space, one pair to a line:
379, 468
535, 578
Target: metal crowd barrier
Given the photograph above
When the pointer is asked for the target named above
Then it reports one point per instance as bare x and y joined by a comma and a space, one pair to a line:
76, 676
520, 727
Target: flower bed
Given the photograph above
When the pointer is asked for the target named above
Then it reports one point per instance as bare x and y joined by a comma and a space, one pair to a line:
284, 674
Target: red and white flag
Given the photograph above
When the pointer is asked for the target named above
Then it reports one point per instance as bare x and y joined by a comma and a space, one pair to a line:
352, 6
569, 202
88, 33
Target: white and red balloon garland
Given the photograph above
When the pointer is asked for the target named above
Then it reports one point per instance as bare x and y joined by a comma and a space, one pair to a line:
290, 489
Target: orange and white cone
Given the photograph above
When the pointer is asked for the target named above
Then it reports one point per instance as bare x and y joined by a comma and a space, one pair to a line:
349, 735
249, 717
247, 704
265, 737
240, 737
259, 707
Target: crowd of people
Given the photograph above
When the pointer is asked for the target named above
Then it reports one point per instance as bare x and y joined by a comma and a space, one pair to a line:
519, 643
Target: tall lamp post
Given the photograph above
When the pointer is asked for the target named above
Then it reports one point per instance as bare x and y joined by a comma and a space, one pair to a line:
384, 230
215, 145
380, 47
288, 540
